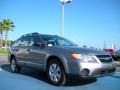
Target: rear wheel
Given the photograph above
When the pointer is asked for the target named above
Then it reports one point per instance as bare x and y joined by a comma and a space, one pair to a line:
55, 73
14, 67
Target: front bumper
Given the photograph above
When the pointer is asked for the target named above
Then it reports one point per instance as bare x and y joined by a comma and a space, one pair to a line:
90, 70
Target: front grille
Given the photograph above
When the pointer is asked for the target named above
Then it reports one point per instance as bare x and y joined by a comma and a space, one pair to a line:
105, 58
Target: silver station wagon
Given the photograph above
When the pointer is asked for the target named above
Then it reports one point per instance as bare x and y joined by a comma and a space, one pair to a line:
59, 58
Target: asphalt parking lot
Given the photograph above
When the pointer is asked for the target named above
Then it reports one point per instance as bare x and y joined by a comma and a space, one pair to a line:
34, 80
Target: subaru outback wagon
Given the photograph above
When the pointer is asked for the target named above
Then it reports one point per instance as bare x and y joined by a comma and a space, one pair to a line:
59, 58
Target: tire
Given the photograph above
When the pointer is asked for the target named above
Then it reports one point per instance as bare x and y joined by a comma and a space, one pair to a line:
13, 66
56, 73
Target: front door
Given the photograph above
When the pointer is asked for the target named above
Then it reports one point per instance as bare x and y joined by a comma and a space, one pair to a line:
37, 53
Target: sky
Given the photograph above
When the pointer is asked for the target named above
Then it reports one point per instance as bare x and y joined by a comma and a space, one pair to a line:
87, 22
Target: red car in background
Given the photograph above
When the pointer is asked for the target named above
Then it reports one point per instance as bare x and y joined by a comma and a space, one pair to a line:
110, 51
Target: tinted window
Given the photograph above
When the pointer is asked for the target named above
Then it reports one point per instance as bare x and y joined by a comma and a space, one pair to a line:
25, 41
16, 42
22, 42
35, 40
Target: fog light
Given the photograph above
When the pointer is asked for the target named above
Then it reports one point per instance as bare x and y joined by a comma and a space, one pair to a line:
85, 72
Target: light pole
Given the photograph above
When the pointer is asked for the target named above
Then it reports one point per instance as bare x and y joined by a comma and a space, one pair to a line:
63, 2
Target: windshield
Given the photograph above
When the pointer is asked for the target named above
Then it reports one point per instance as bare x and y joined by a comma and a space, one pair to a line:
56, 41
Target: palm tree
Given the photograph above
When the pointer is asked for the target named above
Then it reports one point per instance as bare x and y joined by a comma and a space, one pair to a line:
1, 33
8, 25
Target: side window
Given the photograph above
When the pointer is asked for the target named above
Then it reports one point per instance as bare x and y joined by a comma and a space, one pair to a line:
63, 42
49, 41
20, 42
35, 41
31, 42
17, 42
23, 41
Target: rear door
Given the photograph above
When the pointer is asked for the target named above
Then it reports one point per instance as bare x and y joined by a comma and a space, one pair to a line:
22, 50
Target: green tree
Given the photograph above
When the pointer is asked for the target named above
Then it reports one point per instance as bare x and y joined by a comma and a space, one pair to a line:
1, 33
8, 25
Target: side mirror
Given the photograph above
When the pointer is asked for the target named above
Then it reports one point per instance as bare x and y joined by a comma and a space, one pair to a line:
38, 44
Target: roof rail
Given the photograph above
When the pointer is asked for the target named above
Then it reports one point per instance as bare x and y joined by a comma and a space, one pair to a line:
34, 33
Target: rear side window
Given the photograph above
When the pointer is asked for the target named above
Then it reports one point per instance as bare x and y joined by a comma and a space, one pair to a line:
22, 42
17, 42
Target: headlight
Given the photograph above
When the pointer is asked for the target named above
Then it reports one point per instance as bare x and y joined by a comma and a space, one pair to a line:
83, 57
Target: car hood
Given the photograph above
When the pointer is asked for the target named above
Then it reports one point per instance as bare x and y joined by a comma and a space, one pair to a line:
80, 50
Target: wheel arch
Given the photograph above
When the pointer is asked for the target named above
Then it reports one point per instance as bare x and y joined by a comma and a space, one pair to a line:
62, 62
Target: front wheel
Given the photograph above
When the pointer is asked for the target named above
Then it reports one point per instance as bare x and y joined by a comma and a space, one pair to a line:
55, 73
14, 67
